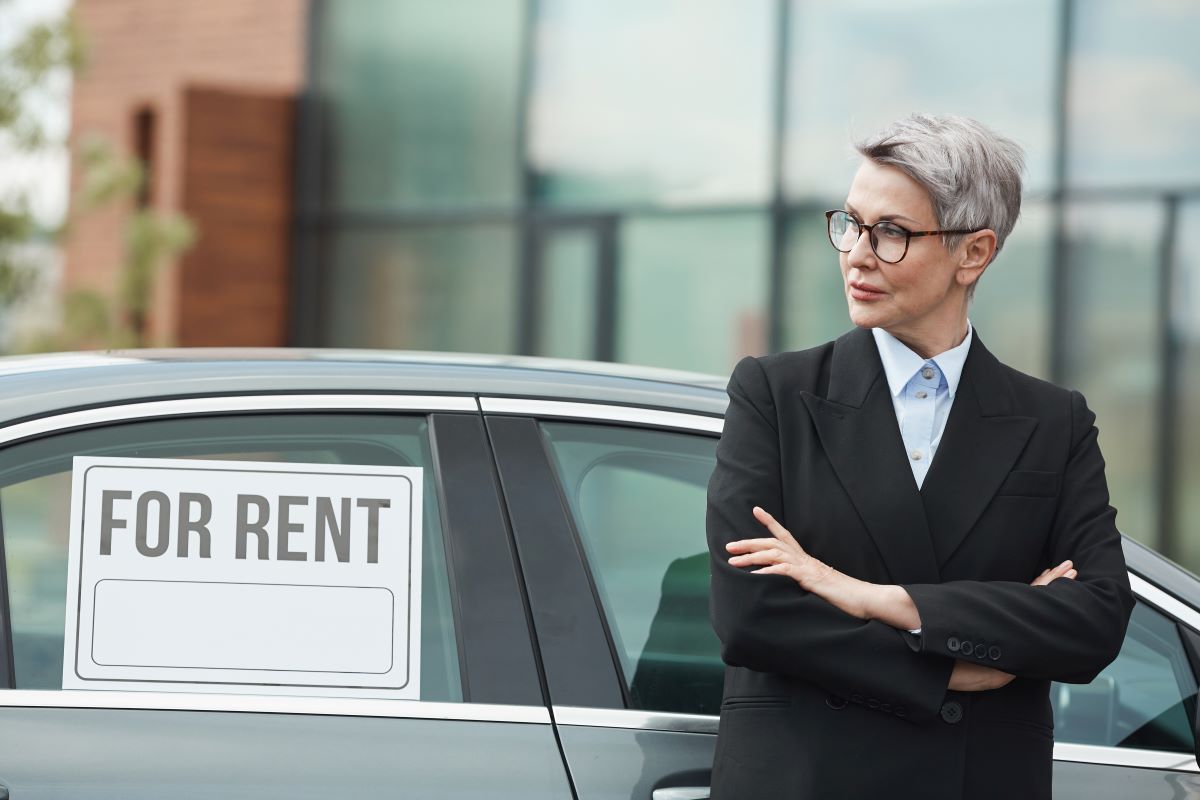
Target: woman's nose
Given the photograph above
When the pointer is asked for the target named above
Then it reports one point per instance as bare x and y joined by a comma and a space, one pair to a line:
861, 255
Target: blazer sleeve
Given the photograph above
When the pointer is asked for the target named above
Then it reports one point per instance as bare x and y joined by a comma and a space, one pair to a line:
1066, 631
768, 623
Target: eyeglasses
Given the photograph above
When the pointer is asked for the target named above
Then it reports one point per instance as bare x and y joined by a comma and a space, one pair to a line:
888, 240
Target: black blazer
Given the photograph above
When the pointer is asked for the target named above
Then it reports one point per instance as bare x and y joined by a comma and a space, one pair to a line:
819, 704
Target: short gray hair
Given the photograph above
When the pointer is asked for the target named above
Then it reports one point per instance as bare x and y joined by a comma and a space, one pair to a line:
972, 174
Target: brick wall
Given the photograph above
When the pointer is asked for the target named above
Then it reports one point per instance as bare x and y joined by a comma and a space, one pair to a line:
147, 54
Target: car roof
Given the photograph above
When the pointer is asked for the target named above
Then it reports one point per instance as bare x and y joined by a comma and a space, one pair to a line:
32, 386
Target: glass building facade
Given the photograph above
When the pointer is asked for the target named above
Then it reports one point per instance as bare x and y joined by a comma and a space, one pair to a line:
645, 181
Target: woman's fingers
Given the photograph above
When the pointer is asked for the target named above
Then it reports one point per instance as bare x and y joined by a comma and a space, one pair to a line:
1063, 570
769, 556
750, 545
780, 532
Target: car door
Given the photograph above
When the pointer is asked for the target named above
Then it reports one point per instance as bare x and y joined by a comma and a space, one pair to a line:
480, 727
617, 567
615, 564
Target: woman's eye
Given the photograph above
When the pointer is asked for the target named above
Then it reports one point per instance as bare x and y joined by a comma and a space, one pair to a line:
891, 231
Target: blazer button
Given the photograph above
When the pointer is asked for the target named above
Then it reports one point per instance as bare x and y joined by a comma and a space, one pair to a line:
952, 711
835, 702
886, 707
994, 653
968, 647
952, 644
872, 703
856, 698
901, 711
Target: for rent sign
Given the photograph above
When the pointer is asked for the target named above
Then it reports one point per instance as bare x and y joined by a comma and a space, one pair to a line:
238, 576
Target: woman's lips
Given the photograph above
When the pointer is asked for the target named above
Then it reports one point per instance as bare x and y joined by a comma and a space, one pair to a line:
863, 292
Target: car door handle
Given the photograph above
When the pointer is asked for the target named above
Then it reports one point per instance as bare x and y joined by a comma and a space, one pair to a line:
681, 793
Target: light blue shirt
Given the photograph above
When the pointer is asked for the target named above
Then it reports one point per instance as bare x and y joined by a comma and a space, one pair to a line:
922, 390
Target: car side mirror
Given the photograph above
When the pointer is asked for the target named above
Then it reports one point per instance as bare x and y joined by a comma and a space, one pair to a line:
1086, 712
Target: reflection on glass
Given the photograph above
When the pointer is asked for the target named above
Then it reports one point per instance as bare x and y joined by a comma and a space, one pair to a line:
858, 65
692, 291
1012, 304
420, 99
651, 102
1111, 346
637, 498
1185, 327
1135, 94
449, 287
567, 299
1140, 700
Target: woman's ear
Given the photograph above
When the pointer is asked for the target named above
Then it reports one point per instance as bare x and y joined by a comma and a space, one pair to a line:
976, 252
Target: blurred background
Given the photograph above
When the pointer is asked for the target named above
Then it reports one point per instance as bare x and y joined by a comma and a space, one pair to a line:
631, 180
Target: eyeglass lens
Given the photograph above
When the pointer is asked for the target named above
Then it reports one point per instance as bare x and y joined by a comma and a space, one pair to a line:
888, 240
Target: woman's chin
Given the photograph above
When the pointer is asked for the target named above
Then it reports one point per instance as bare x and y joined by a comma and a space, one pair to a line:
864, 317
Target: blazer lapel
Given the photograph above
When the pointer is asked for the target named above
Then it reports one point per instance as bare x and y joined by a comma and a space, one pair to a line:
982, 441
858, 430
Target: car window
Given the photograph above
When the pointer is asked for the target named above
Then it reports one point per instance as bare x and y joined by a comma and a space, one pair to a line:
637, 498
1144, 699
35, 501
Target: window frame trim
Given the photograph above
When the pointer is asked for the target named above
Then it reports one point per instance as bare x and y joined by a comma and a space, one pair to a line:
68, 419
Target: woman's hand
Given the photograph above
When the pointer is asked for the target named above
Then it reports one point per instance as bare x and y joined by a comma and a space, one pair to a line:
971, 677
783, 555
1064, 570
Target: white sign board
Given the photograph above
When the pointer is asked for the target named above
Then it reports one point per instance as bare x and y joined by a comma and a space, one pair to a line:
240, 576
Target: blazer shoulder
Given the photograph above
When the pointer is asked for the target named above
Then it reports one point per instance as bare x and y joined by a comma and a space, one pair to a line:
793, 369
1032, 392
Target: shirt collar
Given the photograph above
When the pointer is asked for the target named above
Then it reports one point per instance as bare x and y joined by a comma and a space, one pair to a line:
900, 363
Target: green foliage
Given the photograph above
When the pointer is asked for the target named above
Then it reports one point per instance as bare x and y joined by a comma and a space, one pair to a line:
151, 238
28, 68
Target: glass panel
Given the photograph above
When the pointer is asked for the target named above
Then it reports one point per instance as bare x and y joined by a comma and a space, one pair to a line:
1012, 305
1111, 347
420, 100
567, 300
651, 102
858, 65
1144, 699
1185, 328
692, 291
448, 287
638, 500
35, 498
1135, 94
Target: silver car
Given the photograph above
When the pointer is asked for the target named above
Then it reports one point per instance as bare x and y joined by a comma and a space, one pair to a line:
565, 649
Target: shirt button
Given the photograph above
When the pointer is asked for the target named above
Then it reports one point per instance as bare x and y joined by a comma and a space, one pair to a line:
927, 373
921, 395
916, 455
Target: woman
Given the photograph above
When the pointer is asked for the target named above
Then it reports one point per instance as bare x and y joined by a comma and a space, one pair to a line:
908, 539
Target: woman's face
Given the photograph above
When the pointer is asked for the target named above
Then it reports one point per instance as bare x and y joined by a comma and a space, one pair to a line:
923, 293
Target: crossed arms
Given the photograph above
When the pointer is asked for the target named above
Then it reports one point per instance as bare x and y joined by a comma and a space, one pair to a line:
778, 609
